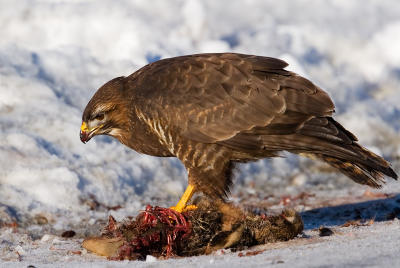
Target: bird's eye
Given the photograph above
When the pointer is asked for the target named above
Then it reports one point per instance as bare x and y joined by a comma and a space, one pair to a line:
99, 116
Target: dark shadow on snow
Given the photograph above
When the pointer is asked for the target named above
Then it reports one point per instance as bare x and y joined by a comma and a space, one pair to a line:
379, 210
12, 212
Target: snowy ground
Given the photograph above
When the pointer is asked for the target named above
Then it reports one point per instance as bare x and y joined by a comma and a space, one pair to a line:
55, 54
353, 247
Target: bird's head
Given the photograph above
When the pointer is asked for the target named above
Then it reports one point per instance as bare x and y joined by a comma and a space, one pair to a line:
104, 114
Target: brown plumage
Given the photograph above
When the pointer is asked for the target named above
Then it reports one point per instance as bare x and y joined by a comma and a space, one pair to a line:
212, 110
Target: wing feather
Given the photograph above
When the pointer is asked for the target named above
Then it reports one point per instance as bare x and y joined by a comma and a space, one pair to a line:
215, 97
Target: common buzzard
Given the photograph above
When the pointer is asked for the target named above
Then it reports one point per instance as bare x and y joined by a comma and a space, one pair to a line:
213, 110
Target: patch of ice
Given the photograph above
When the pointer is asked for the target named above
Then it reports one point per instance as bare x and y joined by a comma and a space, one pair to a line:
150, 258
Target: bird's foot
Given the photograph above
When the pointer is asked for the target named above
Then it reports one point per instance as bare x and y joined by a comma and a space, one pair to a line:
182, 204
184, 209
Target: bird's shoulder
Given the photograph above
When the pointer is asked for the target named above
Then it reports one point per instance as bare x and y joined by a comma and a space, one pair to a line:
194, 73
213, 97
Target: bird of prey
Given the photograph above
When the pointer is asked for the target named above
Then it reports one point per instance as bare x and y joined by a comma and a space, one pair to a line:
214, 110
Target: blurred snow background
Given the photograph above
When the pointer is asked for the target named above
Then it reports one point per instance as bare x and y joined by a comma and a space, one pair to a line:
55, 54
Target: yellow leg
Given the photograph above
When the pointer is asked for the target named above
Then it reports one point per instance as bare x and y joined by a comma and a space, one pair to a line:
187, 195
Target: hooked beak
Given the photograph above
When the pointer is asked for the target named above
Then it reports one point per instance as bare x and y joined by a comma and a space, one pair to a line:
85, 133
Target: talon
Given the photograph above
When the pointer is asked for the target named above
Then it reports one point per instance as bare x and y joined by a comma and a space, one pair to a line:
190, 207
185, 209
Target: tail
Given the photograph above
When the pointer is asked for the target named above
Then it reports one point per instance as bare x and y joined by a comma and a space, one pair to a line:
345, 154
320, 137
371, 173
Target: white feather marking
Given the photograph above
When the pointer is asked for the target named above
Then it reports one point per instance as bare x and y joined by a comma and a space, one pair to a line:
209, 167
178, 153
201, 159
169, 137
115, 132
101, 108
219, 153
186, 153
195, 154
155, 125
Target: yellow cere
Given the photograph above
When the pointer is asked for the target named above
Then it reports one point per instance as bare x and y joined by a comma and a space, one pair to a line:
84, 127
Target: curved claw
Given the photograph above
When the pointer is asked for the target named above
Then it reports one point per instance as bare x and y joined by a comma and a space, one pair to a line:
185, 209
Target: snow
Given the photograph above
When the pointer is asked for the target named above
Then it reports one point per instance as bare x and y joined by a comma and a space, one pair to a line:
55, 54
374, 246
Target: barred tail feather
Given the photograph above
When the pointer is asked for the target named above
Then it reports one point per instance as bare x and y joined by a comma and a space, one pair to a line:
344, 153
358, 174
